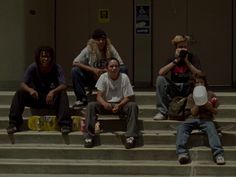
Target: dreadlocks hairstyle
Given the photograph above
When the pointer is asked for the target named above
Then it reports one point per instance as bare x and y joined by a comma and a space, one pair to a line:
47, 49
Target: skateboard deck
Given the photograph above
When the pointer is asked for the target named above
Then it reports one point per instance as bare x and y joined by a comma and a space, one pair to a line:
49, 123
42, 123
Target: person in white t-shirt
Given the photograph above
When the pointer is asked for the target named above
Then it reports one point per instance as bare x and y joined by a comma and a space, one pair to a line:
91, 63
114, 93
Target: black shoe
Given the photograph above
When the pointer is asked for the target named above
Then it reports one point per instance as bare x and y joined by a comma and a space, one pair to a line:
65, 130
12, 129
183, 158
88, 142
129, 142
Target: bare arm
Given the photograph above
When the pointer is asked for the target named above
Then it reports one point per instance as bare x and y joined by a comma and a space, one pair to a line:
53, 92
165, 69
30, 90
105, 104
122, 103
191, 67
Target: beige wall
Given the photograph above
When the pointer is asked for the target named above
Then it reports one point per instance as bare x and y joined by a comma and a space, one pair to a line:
142, 44
210, 25
234, 43
21, 32
12, 42
76, 20
214, 31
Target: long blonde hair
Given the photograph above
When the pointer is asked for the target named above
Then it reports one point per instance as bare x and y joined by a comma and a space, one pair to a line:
96, 53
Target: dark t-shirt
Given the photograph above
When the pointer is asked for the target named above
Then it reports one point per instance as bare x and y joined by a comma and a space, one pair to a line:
181, 73
43, 83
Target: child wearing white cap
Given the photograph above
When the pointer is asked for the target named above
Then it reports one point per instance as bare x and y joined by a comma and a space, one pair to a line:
202, 106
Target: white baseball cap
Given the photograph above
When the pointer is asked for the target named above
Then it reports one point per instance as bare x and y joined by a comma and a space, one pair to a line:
200, 95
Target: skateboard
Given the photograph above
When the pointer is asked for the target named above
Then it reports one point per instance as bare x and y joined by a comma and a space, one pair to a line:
42, 123
49, 123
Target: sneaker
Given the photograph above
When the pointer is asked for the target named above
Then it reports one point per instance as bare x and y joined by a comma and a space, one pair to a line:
220, 160
89, 91
183, 158
129, 143
159, 116
97, 128
78, 103
12, 129
88, 142
65, 130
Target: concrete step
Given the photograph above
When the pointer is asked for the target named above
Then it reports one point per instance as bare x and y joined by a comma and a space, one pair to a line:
50, 154
142, 97
197, 138
106, 152
224, 111
113, 123
85, 175
59, 166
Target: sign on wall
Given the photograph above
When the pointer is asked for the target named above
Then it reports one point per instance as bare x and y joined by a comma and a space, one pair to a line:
142, 19
103, 16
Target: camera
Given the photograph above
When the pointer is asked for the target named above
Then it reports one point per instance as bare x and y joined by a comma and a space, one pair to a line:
182, 54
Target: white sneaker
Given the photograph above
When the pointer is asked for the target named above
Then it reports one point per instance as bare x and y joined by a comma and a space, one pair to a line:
159, 116
220, 160
78, 103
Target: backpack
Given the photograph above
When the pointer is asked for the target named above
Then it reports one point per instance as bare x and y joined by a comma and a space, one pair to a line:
177, 108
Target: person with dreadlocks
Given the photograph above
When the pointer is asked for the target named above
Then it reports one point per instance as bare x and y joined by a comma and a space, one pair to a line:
43, 86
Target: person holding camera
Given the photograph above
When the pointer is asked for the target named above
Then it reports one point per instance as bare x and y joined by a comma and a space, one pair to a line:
180, 66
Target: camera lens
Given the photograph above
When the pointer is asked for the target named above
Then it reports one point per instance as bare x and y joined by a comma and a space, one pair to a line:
183, 53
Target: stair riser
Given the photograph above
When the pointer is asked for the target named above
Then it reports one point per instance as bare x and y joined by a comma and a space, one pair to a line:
118, 125
140, 99
119, 169
194, 140
222, 113
143, 112
108, 154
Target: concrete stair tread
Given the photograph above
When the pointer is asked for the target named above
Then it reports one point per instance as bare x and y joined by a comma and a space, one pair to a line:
142, 132
47, 154
142, 118
104, 147
149, 106
138, 93
76, 162
221, 107
84, 175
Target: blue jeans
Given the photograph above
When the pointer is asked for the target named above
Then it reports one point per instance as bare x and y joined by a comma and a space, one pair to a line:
207, 126
81, 78
166, 90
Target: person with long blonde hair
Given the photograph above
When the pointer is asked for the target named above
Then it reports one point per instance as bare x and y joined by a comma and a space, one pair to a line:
90, 64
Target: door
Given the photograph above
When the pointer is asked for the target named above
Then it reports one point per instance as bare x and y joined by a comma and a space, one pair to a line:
76, 20
209, 23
